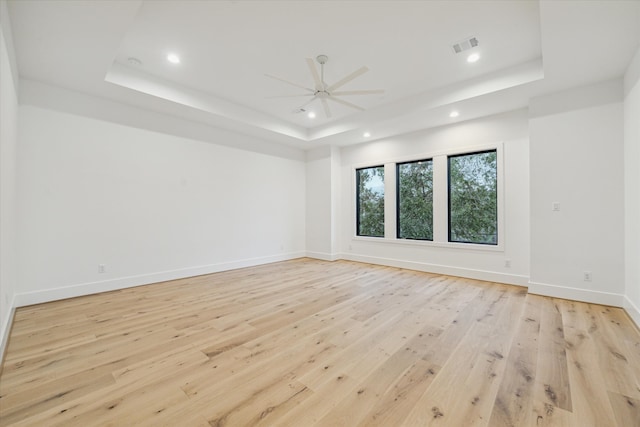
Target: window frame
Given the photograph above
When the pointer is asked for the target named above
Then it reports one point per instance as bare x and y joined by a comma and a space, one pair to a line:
440, 199
397, 210
471, 153
357, 200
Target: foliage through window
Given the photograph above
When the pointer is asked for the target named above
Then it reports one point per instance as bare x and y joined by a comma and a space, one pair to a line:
370, 201
415, 200
473, 198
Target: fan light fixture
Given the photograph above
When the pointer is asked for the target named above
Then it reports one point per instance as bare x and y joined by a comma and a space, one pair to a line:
325, 92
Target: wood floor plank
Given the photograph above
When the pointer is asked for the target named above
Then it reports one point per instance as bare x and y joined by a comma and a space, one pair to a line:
365, 398
626, 409
317, 343
588, 387
323, 399
20, 405
547, 415
514, 402
466, 316
395, 403
479, 365
616, 356
255, 383
552, 380
115, 409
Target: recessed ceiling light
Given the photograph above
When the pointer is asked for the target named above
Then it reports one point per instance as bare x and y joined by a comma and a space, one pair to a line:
366, 134
173, 58
473, 57
454, 114
311, 115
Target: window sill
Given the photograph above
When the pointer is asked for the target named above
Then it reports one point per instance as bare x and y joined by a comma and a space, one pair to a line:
430, 244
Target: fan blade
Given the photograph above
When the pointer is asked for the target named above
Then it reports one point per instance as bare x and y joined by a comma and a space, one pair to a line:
347, 79
325, 104
290, 83
306, 103
358, 92
288, 96
348, 104
314, 73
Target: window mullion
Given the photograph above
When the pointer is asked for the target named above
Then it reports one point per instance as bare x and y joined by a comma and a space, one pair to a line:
390, 201
440, 200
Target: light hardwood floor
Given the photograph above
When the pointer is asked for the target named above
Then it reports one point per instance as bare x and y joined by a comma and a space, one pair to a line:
313, 343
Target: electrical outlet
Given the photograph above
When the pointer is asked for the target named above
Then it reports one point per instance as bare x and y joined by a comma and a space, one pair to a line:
507, 263
586, 276
101, 268
555, 206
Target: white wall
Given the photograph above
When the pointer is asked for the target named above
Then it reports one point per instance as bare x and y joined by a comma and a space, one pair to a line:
336, 206
8, 147
509, 129
322, 195
576, 158
147, 205
632, 187
318, 199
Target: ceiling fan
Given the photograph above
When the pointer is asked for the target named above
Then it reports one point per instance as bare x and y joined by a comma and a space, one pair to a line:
323, 91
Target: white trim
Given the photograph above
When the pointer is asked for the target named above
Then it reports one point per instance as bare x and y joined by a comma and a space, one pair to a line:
576, 294
4, 338
426, 155
47, 295
324, 256
429, 243
490, 276
632, 310
390, 203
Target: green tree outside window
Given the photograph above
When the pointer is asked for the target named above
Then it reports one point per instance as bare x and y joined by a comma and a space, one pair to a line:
370, 201
415, 200
473, 201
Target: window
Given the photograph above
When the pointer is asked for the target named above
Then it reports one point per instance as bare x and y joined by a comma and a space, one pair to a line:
370, 201
473, 198
414, 194
445, 199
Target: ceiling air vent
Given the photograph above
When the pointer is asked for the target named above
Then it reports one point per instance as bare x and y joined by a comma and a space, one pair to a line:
465, 44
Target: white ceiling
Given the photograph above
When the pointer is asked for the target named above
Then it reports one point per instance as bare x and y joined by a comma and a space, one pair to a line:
527, 48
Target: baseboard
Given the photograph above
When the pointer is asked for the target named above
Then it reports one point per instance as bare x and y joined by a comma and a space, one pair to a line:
632, 310
323, 256
6, 332
576, 294
47, 295
490, 276
583, 295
